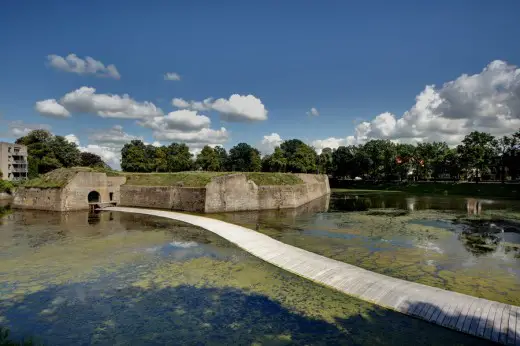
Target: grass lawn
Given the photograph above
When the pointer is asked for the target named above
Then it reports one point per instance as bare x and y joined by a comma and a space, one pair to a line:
55, 179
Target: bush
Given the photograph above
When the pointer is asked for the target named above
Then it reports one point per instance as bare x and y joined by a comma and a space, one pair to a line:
6, 186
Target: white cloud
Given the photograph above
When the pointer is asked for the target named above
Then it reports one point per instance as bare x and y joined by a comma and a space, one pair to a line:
237, 108
183, 119
488, 101
18, 128
85, 100
201, 137
172, 76
71, 63
241, 108
114, 137
313, 112
200, 106
51, 108
269, 142
332, 143
72, 138
110, 155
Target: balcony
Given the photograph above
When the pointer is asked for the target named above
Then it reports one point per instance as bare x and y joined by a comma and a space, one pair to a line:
18, 169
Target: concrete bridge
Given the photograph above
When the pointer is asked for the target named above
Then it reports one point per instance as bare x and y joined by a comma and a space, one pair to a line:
475, 316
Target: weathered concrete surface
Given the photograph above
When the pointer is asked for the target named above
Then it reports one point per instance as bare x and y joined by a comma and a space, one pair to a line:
453, 310
163, 197
36, 198
73, 196
5, 195
235, 193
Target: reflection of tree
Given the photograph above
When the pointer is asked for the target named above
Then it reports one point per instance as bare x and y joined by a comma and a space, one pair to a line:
351, 203
479, 243
474, 206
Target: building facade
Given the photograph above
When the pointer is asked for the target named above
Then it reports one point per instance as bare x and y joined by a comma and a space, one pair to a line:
13, 161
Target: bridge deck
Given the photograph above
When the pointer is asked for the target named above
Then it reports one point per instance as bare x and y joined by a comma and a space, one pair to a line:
476, 316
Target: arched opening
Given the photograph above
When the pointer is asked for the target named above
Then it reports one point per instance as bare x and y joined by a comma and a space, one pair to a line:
93, 197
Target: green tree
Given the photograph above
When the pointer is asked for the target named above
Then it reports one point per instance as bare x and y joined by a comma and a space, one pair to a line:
178, 157
133, 157
223, 158
160, 160
276, 162
404, 160
65, 152
342, 160
91, 160
208, 160
325, 161
301, 158
477, 152
244, 158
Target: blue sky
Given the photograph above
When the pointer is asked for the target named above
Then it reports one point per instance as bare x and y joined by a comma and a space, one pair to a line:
361, 65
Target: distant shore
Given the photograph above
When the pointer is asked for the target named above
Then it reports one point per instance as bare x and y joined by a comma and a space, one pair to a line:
483, 189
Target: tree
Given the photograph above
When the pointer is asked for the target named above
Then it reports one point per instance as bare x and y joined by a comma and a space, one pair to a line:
244, 158
477, 152
223, 158
67, 153
133, 157
178, 157
160, 159
47, 152
91, 160
276, 162
342, 159
208, 160
301, 158
325, 161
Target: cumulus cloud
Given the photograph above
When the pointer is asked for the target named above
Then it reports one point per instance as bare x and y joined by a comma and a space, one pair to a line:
110, 155
313, 112
51, 108
72, 63
238, 108
332, 143
18, 128
85, 100
172, 76
72, 138
487, 101
114, 137
202, 137
269, 142
184, 119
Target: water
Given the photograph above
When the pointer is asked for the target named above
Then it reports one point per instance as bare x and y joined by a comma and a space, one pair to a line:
462, 244
118, 279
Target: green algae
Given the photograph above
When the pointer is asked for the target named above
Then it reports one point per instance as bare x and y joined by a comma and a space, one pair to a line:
416, 246
237, 299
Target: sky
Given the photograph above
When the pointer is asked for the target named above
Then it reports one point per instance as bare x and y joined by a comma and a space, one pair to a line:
330, 73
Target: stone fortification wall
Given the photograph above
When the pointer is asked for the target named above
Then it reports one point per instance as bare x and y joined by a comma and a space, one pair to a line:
73, 196
236, 193
37, 198
163, 197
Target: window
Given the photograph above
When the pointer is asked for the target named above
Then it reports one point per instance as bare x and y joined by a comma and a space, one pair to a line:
111, 195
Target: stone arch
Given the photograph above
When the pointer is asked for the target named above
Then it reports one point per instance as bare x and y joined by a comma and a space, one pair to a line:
94, 197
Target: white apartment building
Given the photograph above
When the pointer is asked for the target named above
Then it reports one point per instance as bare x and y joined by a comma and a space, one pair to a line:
13, 161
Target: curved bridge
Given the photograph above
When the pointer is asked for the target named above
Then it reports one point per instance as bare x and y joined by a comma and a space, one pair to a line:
475, 316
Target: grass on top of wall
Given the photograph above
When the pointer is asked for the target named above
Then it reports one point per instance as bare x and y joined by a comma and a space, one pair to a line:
186, 179
56, 178
200, 179
263, 179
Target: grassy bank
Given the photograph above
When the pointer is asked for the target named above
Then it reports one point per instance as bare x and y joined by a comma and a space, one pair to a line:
431, 188
200, 179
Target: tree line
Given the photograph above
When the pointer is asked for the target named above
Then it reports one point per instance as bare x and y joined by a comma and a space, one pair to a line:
47, 152
480, 156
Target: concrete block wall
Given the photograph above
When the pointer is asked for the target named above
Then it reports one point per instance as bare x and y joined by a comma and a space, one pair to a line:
163, 197
36, 198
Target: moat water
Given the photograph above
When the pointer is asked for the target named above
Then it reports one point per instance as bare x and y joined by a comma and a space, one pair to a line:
114, 278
